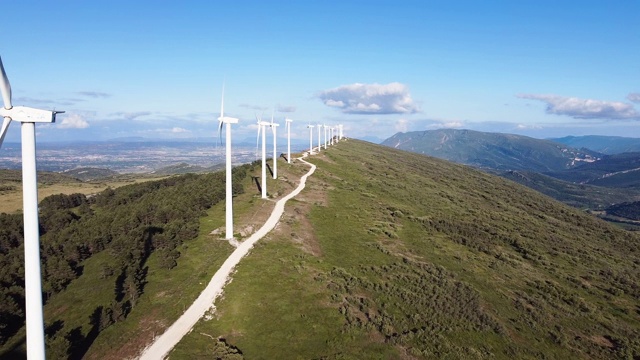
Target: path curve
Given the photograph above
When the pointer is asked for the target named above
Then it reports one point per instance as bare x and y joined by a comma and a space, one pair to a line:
165, 342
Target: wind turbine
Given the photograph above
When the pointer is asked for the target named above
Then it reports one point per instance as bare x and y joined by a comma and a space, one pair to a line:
325, 136
262, 126
275, 157
331, 135
287, 124
319, 144
32, 275
229, 200
310, 138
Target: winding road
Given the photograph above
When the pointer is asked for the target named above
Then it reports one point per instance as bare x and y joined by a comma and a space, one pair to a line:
164, 343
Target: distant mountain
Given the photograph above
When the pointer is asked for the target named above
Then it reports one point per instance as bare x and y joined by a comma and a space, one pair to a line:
619, 170
602, 144
577, 195
628, 210
492, 150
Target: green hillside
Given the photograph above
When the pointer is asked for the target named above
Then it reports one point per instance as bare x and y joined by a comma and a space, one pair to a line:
578, 195
490, 150
392, 255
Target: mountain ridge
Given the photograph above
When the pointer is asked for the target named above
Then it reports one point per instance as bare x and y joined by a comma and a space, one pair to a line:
491, 150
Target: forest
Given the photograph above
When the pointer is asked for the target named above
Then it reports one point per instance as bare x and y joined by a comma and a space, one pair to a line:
129, 223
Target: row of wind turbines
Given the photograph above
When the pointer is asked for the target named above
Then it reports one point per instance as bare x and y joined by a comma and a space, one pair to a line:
28, 117
262, 129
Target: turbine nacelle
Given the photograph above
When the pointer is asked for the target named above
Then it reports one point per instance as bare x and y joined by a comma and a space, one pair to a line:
27, 114
228, 120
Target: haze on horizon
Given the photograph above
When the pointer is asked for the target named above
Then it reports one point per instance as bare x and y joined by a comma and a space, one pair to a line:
122, 69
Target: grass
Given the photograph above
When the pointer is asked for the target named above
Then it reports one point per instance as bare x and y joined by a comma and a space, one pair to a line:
395, 255
53, 183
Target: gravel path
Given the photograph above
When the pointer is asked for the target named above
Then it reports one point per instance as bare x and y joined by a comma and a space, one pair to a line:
165, 342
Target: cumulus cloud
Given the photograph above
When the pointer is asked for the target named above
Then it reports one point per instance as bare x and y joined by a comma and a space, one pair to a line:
93, 94
393, 98
635, 97
73, 121
585, 108
177, 130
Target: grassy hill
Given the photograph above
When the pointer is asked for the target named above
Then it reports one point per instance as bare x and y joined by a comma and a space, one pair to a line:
392, 255
385, 255
491, 150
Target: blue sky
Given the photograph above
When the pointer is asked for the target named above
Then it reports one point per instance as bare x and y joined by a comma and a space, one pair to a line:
155, 68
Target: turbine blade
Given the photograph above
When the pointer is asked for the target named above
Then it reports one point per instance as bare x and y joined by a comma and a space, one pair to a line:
220, 132
5, 126
5, 87
258, 138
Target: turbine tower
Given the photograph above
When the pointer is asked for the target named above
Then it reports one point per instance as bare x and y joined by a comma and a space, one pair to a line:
319, 141
287, 124
229, 200
262, 126
325, 136
32, 275
275, 157
310, 138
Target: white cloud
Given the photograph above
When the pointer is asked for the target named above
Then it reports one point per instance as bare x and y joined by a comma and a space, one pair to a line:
402, 125
585, 108
446, 125
634, 97
73, 121
393, 98
177, 130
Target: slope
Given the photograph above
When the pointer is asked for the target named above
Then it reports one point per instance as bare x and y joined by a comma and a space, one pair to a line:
394, 255
578, 195
491, 150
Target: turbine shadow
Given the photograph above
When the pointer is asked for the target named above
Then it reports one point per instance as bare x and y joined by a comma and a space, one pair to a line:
269, 168
255, 179
284, 157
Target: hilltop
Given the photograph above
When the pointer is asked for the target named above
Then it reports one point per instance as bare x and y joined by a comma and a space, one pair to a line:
385, 254
394, 255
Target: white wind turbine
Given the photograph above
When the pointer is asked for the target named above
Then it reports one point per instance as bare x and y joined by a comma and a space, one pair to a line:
331, 135
262, 127
229, 200
32, 275
275, 157
287, 124
325, 127
319, 143
310, 127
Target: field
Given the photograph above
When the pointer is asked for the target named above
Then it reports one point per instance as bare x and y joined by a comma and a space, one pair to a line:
53, 183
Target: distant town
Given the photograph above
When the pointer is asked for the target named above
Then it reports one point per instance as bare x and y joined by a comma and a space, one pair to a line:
131, 156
